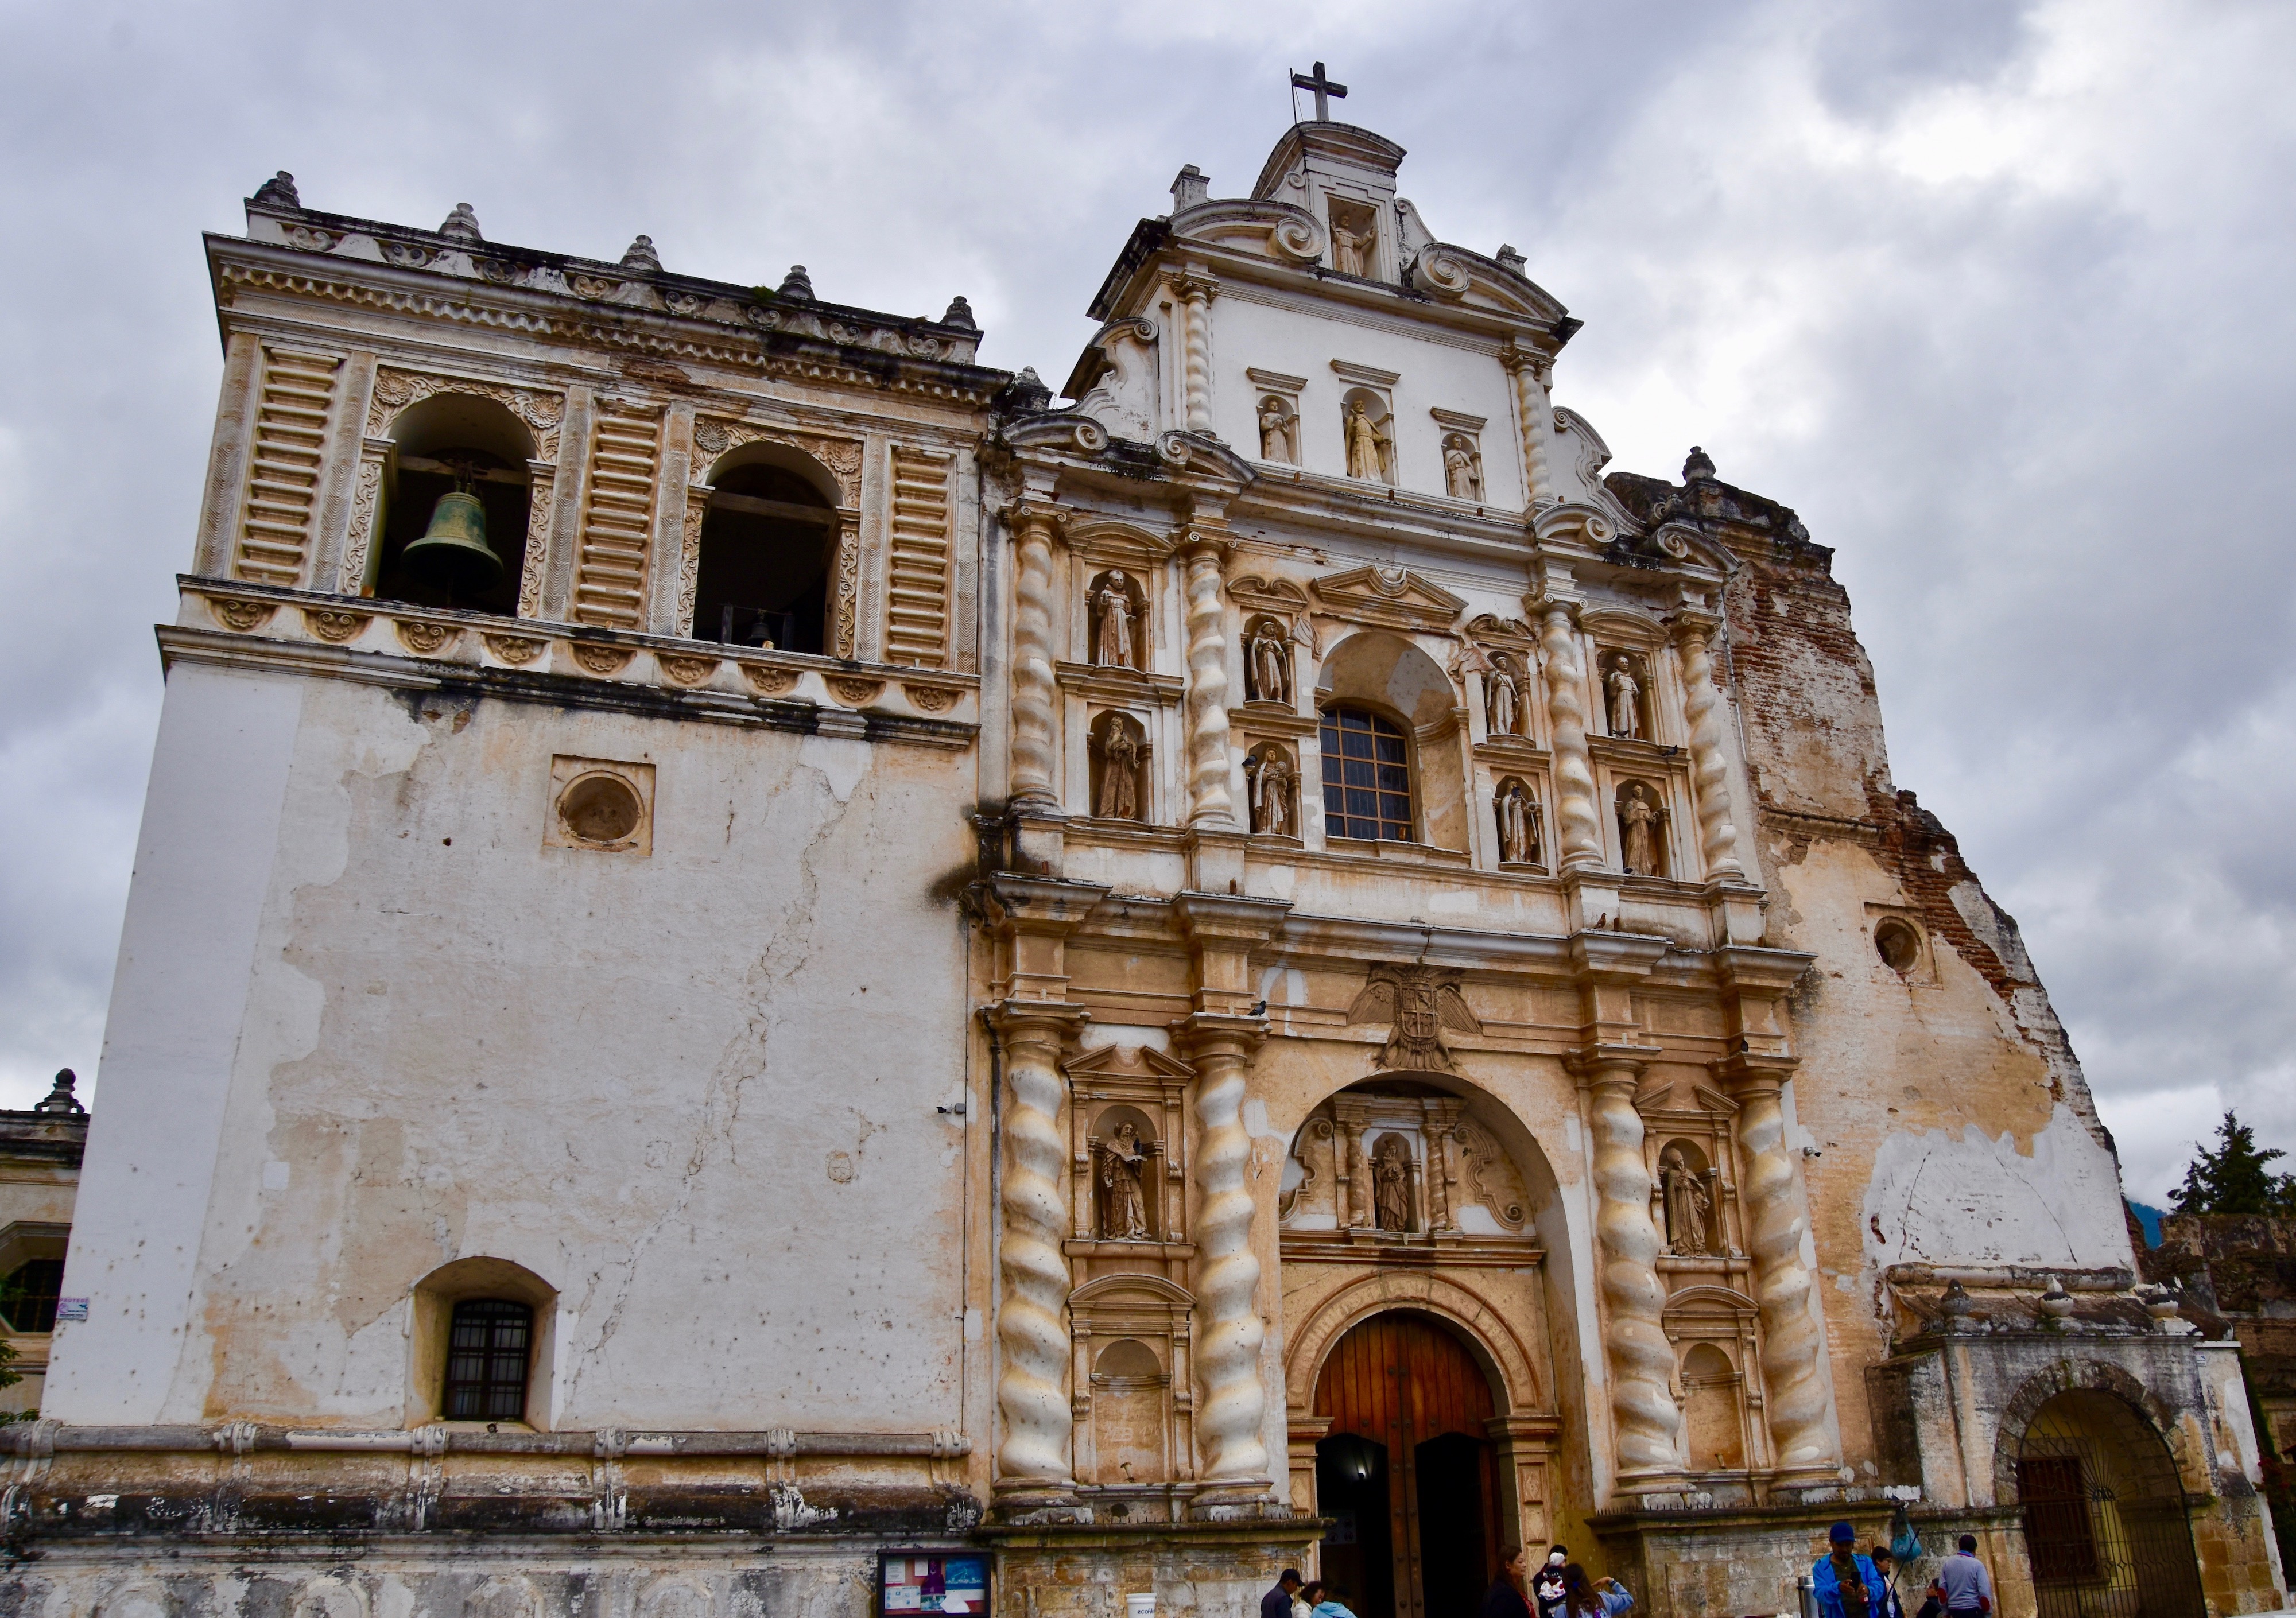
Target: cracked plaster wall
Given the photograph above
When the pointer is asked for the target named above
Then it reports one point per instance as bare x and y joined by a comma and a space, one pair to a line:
423, 1036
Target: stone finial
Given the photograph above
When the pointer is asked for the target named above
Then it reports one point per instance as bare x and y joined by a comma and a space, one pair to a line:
797, 284
2056, 1302
278, 192
641, 256
60, 1099
1509, 259
960, 314
1190, 188
462, 225
1025, 393
1699, 468
1956, 1306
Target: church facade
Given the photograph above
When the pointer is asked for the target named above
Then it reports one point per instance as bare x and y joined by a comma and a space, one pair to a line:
769, 974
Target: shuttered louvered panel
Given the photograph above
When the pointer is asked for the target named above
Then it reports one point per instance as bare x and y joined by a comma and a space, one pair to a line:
282, 471
610, 580
916, 597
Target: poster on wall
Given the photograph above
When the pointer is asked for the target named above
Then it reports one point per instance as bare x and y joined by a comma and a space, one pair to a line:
931, 1581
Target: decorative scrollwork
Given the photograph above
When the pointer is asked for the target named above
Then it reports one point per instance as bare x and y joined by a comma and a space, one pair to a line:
932, 699
855, 692
714, 435
767, 681
1443, 274
241, 615
1299, 239
600, 660
686, 670
592, 286
329, 624
516, 650
394, 390
426, 638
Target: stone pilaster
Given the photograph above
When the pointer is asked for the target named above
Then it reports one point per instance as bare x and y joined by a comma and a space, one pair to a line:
361, 535
1710, 764
234, 430
1034, 692
1196, 292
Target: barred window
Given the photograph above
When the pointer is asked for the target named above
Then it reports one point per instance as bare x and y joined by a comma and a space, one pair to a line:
1366, 777
28, 1297
486, 1361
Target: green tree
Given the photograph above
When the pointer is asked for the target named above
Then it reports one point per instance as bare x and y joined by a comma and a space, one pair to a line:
2235, 1177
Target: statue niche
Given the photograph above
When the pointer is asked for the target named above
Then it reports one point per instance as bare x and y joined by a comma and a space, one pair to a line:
1120, 768
1502, 697
1685, 1186
1521, 839
1279, 430
1463, 468
1118, 608
1268, 662
1623, 687
1642, 824
1391, 1183
1370, 438
1124, 1177
1355, 238
1274, 785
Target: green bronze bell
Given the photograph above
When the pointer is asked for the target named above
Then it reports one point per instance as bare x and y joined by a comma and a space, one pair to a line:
454, 550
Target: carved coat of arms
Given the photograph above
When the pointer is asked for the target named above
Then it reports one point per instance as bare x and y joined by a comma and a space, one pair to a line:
1419, 1002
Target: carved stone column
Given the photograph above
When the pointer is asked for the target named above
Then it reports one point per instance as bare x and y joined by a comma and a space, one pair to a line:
1211, 803
1578, 826
1033, 688
1702, 707
845, 590
1646, 1421
1801, 1406
1196, 293
1229, 1332
1034, 1461
1530, 370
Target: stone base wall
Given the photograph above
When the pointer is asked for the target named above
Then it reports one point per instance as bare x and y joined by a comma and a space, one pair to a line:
1208, 1569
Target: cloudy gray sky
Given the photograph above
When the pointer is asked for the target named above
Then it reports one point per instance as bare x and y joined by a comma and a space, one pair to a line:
1996, 296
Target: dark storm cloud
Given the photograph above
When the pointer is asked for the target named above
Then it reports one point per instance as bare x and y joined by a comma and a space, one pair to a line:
1993, 296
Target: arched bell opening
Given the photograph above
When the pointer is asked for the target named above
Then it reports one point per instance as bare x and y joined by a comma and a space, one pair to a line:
455, 506
2105, 1524
1407, 1470
768, 549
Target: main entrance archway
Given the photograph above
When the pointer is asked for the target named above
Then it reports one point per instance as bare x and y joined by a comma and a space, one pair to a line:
2105, 1514
1405, 1471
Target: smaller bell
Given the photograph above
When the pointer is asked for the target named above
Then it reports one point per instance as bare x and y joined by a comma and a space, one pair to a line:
452, 551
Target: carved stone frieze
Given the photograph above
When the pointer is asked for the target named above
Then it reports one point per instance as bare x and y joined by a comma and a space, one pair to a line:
516, 650
767, 681
600, 660
1418, 1003
855, 692
329, 624
715, 436
241, 615
428, 639
932, 699
683, 670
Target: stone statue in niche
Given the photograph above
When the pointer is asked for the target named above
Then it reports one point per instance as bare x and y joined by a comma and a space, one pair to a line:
1461, 478
1123, 1206
1276, 442
1114, 645
1120, 776
1504, 694
1390, 1185
1366, 446
1269, 656
1637, 830
1519, 837
1351, 247
1271, 795
1689, 1205
1626, 703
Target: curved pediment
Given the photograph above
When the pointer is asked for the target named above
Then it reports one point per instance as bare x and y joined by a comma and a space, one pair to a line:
1395, 598
1280, 231
1461, 275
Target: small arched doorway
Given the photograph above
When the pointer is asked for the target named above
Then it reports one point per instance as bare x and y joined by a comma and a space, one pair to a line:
1405, 1471
2105, 1529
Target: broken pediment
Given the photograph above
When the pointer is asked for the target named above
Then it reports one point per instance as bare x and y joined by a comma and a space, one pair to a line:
1395, 598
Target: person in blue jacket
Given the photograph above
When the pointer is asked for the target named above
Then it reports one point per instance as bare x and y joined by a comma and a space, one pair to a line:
1847, 1585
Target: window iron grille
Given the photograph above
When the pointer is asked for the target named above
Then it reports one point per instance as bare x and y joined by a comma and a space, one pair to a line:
487, 1352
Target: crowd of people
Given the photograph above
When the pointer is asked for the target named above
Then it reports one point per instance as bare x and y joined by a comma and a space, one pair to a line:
1846, 1582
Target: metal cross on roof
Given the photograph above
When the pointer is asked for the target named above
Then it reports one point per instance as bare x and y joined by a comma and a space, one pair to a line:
1324, 89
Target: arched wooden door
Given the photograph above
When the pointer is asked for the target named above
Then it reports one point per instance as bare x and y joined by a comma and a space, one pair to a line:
1407, 1470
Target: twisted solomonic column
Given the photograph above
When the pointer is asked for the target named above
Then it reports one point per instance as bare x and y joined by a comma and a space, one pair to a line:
1211, 803
1033, 688
1031, 1314
1801, 1415
1710, 766
1536, 413
1575, 819
1646, 1421
1228, 1329
1196, 339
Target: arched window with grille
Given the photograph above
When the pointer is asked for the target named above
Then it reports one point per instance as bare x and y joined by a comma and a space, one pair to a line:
487, 1348
1366, 777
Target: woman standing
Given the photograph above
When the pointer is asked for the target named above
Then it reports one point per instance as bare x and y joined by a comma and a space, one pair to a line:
1506, 1599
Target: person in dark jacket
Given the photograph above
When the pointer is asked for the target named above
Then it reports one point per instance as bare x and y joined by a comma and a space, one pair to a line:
1505, 1598
1277, 1603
